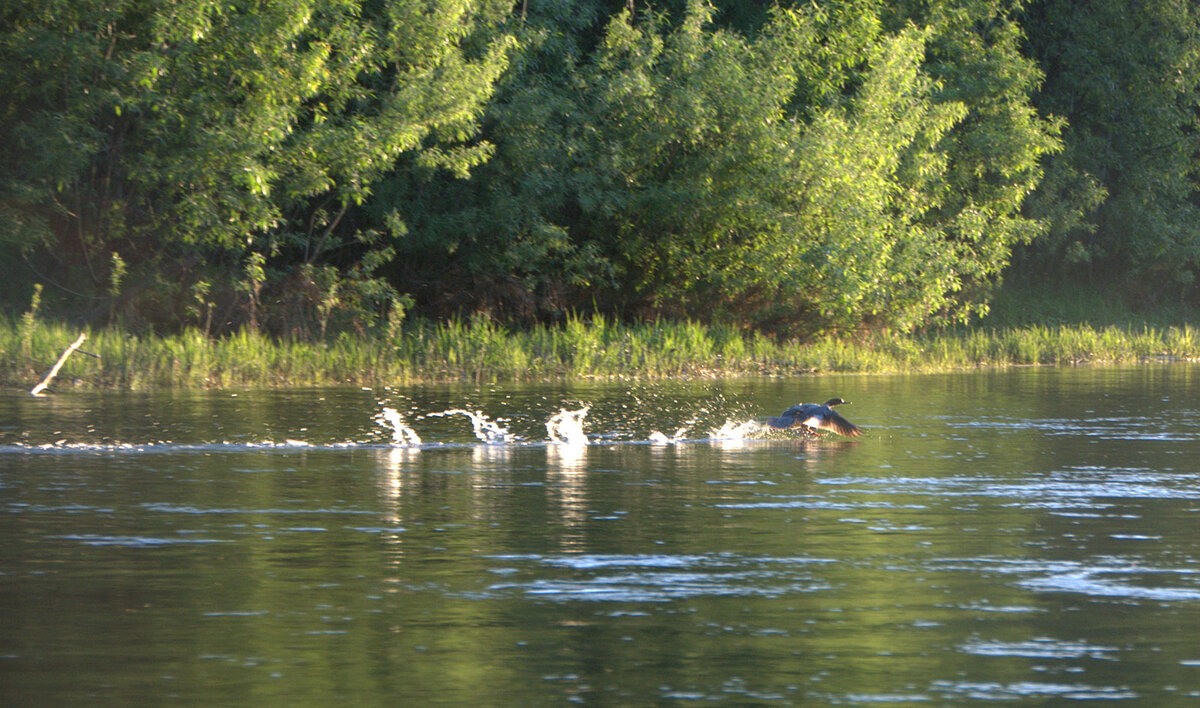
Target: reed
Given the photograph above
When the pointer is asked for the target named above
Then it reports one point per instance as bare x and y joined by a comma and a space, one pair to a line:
478, 349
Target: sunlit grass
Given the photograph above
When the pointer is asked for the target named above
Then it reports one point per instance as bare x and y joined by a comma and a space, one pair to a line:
481, 350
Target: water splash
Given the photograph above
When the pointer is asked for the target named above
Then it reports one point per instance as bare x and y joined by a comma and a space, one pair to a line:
733, 430
486, 430
402, 435
659, 438
567, 427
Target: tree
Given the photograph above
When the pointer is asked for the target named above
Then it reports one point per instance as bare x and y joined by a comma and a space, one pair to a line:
201, 127
833, 167
822, 167
974, 55
1122, 196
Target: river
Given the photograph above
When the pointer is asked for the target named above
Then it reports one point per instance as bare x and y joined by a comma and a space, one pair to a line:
1026, 534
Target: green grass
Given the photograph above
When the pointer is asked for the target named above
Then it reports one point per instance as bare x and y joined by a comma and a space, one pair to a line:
480, 350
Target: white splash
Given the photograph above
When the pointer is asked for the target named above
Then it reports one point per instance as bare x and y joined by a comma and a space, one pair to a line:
486, 430
567, 427
732, 430
401, 434
661, 439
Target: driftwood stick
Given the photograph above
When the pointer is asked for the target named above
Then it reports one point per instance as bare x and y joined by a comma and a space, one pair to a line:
37, 390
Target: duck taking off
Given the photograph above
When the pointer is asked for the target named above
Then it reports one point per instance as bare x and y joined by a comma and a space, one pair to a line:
811, 417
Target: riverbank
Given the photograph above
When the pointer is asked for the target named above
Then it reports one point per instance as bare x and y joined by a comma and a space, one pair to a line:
482, 351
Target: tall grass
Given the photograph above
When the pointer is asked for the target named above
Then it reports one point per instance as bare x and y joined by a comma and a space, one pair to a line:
478, 349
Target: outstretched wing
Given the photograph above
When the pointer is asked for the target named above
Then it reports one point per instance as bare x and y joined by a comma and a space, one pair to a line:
837, 424
814, 415
794, 417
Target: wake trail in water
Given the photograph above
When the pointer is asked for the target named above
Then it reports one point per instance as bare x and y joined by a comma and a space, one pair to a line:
486, 430
563, 429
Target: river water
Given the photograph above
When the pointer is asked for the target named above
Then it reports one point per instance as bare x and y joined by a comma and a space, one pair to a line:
1028, 535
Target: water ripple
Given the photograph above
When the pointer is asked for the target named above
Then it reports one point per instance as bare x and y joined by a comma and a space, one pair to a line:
1104, 428
821, 504
183, 509
1040, 648
1129, 581
653, 578
90, 539
1079, 485
1107, 577
986, 690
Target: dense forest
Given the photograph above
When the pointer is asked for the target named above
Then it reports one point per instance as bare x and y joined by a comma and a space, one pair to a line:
303, 167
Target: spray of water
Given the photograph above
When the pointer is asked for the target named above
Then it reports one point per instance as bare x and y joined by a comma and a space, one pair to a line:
488, 431
567, 427
733, 430
402, 435
661, 438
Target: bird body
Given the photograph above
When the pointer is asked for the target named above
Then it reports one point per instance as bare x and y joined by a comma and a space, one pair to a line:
811, 417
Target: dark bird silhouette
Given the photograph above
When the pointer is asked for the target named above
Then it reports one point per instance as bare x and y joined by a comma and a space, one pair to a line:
811, 417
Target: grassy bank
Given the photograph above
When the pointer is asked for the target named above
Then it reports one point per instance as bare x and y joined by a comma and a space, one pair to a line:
479, 350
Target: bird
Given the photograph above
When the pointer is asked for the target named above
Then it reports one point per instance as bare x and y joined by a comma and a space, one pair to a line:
811, 417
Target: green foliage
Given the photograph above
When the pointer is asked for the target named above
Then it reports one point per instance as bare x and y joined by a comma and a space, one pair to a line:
29, 323
478, 349
995, 153
199, 307
251, 284
1122, 196
816, 175
209, 128
116, 275
312, 168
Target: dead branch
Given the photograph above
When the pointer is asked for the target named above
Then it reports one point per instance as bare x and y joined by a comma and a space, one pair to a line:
37, 390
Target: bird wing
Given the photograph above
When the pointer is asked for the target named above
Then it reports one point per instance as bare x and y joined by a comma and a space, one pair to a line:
814, 415
834, 423
783, 422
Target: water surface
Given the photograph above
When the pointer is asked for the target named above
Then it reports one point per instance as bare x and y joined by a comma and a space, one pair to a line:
1029, 534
